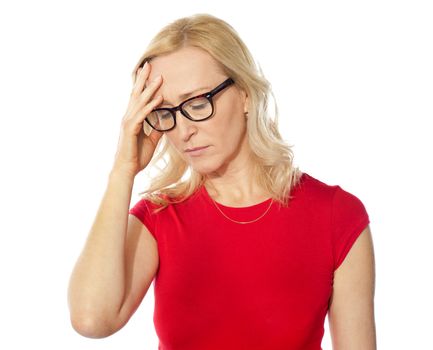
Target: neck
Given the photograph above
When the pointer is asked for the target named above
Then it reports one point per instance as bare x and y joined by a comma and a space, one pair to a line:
236, 187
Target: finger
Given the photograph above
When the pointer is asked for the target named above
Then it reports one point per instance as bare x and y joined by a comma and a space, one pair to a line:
139, 101
141, 77
151, 105
139, 113
146, 111
150, 90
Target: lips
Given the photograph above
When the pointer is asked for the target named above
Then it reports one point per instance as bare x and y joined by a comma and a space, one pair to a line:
195, 149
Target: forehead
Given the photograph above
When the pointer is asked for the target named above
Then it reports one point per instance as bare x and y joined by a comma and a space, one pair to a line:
186, 67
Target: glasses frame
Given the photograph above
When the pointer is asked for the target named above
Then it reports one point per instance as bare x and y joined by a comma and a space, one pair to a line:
207, 95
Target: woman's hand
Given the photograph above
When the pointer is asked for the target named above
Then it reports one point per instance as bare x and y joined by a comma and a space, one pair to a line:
135, 149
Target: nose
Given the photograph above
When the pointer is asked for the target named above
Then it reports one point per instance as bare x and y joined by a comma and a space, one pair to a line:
185, 127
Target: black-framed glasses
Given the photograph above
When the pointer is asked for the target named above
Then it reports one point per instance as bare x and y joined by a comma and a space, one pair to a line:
197, 108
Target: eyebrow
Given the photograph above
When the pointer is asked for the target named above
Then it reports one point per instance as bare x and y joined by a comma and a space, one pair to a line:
185, 95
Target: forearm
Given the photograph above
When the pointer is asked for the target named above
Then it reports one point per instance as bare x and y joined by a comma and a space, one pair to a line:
97, 283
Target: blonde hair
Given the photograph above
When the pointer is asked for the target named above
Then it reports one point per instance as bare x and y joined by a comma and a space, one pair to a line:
272, 157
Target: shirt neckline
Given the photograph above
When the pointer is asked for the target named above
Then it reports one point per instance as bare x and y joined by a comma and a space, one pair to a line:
245, 208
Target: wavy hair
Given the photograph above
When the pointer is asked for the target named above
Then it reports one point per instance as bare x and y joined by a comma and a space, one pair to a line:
273, 168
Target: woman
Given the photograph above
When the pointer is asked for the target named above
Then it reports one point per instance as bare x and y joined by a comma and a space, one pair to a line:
246, 251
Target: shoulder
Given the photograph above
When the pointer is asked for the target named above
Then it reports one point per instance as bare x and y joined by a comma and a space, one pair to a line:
149, 204
318, 193
314, 189
168, 200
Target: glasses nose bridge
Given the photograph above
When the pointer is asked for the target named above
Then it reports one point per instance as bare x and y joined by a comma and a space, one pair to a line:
174, 111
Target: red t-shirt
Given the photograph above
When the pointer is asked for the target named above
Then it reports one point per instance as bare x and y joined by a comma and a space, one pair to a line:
263, 285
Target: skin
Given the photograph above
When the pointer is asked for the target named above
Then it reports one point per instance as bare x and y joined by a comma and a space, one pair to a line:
351, 310
228, 166
227, 161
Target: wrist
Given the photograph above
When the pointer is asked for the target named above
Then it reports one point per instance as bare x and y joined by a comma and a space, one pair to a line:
122, 174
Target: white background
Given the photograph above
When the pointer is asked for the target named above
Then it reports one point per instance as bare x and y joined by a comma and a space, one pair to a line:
354, 86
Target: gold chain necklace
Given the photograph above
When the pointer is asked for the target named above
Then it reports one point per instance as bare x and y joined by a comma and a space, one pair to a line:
242, 222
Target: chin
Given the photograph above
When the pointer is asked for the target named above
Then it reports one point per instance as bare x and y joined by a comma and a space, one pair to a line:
205, 168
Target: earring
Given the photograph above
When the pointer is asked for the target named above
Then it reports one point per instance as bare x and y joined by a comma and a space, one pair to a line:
246, 115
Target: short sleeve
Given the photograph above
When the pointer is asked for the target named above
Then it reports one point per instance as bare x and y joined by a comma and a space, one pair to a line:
142, 212
349, 219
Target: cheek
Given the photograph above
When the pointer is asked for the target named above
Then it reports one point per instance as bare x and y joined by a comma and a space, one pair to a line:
226, 139
228, 121
232, 127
